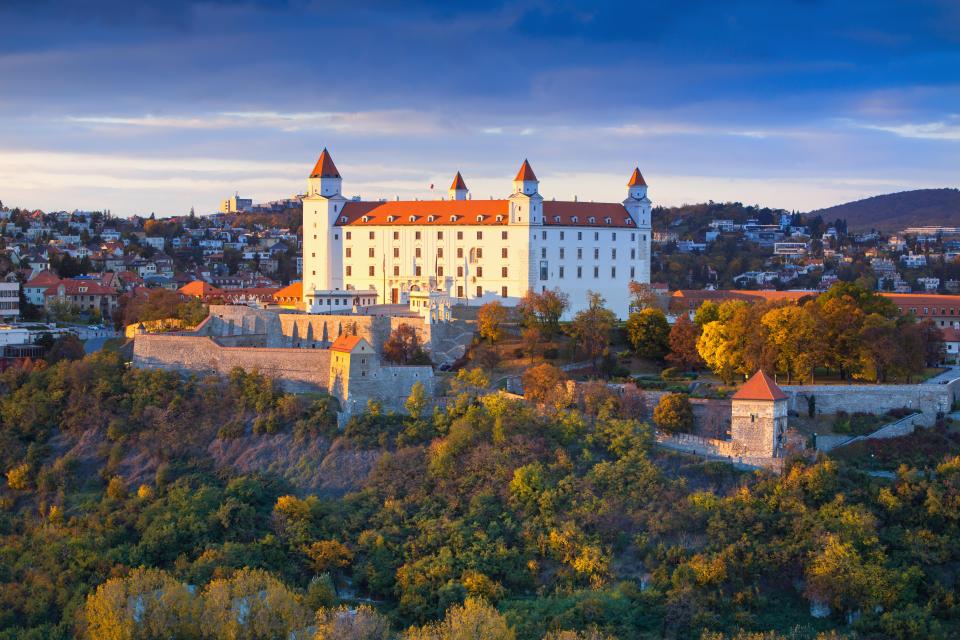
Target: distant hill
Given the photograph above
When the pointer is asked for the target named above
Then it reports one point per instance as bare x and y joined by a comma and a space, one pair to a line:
895, 211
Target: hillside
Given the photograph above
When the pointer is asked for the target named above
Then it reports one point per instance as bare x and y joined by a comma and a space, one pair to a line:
895, 211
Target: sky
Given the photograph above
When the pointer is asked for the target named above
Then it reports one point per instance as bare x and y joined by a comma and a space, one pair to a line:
159, 107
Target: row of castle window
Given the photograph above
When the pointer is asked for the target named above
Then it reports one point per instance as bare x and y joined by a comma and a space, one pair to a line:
561, 272
478, 253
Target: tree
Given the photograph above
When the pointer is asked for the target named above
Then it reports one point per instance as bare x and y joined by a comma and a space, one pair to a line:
718, 350
66, 347
707, 312
251, 604
490, 319
792, 333
649, 333
683, 344
591, 328
147, 603
403, 346
417, 400
360, 623
543, 310
544, 384
474, 620
837, 574
328, 555
673, 413
641, 296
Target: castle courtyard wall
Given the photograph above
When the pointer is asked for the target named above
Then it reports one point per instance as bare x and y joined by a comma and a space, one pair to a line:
876, 399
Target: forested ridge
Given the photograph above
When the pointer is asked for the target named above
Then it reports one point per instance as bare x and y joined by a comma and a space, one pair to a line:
114, 522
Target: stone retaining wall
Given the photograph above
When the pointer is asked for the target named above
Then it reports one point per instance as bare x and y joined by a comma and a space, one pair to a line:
720, 450
876, 399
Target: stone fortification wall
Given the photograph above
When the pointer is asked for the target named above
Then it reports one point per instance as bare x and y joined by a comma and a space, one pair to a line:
724, 450
446, 342
927, 398
297, 370
390, 386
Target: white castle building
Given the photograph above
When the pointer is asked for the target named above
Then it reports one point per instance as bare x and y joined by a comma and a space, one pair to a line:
474, 251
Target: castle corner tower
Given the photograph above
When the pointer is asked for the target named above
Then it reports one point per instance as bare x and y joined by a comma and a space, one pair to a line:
638, 206
758, 415
322, 244
458, 190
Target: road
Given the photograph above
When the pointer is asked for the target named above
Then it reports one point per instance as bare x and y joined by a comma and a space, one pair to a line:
950, 374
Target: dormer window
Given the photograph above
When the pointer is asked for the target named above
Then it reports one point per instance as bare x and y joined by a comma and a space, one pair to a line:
592, 220
575, 219
365, 218
556, 218
479, 218
499, 218
413, 218
343, 218
453, 218
391, 218
431, 218
628, 221
607, 220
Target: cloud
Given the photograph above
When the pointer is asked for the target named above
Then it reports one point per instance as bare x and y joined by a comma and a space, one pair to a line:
948, 129
391, 122
686, 129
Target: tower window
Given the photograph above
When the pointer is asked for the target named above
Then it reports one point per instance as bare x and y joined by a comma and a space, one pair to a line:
373, 271
503, 292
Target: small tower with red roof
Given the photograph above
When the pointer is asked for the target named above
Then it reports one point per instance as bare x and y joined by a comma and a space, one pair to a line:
759, 417
322, 242
526, 203
638, 205
458, 190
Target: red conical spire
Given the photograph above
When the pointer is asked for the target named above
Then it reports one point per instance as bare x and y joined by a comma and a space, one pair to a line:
325, 167
760, 387
526, 173
636, 180
458, 183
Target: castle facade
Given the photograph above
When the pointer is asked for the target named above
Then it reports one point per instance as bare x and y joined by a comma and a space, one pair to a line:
474, 251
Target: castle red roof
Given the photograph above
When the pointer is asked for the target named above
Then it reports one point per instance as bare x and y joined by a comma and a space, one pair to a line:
760, 387
458, 183
636, 180
525, 173
325, 167
480, 212
345, 343
294, 291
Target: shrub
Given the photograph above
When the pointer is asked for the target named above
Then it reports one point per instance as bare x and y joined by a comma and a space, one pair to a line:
670, 373
673, 413
230, 430
18, 478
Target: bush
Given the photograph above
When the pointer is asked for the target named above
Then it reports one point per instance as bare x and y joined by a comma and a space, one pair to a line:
674, 413
232, 429
18, 478
671, 373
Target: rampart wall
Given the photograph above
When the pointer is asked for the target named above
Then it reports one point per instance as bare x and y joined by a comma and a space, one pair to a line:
876, 399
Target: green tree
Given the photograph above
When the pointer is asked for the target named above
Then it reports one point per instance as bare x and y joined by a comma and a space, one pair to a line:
592, 327
649, 333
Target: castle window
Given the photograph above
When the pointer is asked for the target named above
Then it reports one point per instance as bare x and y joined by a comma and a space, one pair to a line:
479, 218
479, 272
596, 272
396, 270
459, 252
579, 272
416, 270
479, 235
613, 272
348, 251
543, 235
633, 254
575, 219
596, 235
479, 292
396, 235
371, 251
439, 271
439, 252
503, 272
460, 275
391, 218
503, 252
556, 218
560, 272
614, 235
562, 253
348, 236
613, 254
396, 252
503, 235
503, 292
596, 253
633, 237
416, 235
373, 234
579, 253
479, 252
543, 252
417, 252
439, 235
373, 271
343, 218
459, 235
561, 235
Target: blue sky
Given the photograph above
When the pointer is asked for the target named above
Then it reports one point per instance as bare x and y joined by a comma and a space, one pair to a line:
141, 107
